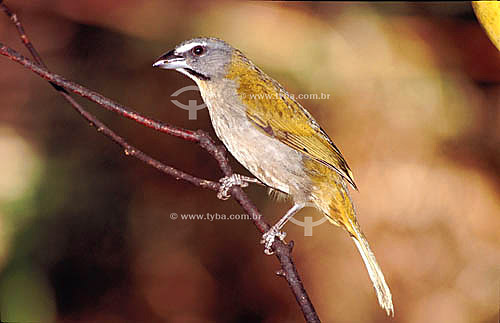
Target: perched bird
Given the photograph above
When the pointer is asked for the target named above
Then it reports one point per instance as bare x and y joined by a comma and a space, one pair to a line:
276, 139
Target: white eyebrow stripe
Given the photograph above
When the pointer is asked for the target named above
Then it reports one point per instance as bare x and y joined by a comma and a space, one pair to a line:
187, 47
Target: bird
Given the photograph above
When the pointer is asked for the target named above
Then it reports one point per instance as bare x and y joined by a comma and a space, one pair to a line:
276, 139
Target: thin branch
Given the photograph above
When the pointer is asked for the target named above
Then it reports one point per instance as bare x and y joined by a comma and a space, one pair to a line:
101, 127
282, 250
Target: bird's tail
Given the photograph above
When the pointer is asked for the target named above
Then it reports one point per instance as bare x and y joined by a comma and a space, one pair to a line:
383, 293
339, 209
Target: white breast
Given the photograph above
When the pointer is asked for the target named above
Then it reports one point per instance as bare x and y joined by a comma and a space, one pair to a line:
271, 161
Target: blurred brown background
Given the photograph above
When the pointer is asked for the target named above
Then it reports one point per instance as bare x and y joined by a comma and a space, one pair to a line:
85, 232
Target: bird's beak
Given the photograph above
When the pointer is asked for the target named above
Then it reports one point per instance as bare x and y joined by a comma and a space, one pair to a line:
171, 61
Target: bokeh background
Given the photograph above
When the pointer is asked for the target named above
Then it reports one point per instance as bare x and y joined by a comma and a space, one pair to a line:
85, 232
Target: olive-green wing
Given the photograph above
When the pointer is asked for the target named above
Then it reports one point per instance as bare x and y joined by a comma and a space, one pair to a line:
286, 121
295, 127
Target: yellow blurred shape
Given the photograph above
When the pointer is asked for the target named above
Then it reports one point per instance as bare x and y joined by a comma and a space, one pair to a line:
488, 14
18, 165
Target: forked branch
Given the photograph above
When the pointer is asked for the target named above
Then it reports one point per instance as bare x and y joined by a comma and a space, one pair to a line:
64, 87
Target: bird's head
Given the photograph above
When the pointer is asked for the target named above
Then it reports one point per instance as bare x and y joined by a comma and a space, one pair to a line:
201, 59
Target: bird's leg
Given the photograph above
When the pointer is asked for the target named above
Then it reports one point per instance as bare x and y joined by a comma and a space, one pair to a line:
235, 179
269, 237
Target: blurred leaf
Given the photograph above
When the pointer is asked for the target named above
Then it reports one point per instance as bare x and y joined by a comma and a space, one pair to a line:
25, 296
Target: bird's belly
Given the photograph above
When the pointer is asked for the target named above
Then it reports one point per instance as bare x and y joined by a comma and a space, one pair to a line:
271, 161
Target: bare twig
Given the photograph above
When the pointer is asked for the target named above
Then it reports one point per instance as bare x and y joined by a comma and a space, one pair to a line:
282, 250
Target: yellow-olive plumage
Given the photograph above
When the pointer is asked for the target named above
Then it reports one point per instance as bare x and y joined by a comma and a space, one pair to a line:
275, 138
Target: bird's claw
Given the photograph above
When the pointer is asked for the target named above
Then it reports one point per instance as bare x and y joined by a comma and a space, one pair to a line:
269, 237
227, 183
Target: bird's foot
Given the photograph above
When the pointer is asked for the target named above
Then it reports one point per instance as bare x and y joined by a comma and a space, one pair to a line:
269, 237
235, 179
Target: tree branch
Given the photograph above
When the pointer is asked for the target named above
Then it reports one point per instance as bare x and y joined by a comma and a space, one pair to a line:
282, 250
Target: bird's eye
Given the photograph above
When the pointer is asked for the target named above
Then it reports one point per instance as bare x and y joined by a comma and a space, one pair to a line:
198, 50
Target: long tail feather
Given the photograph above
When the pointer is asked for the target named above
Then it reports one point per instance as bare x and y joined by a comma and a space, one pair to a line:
383, 293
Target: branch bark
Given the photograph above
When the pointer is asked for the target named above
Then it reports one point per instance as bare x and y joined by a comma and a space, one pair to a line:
281, 250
